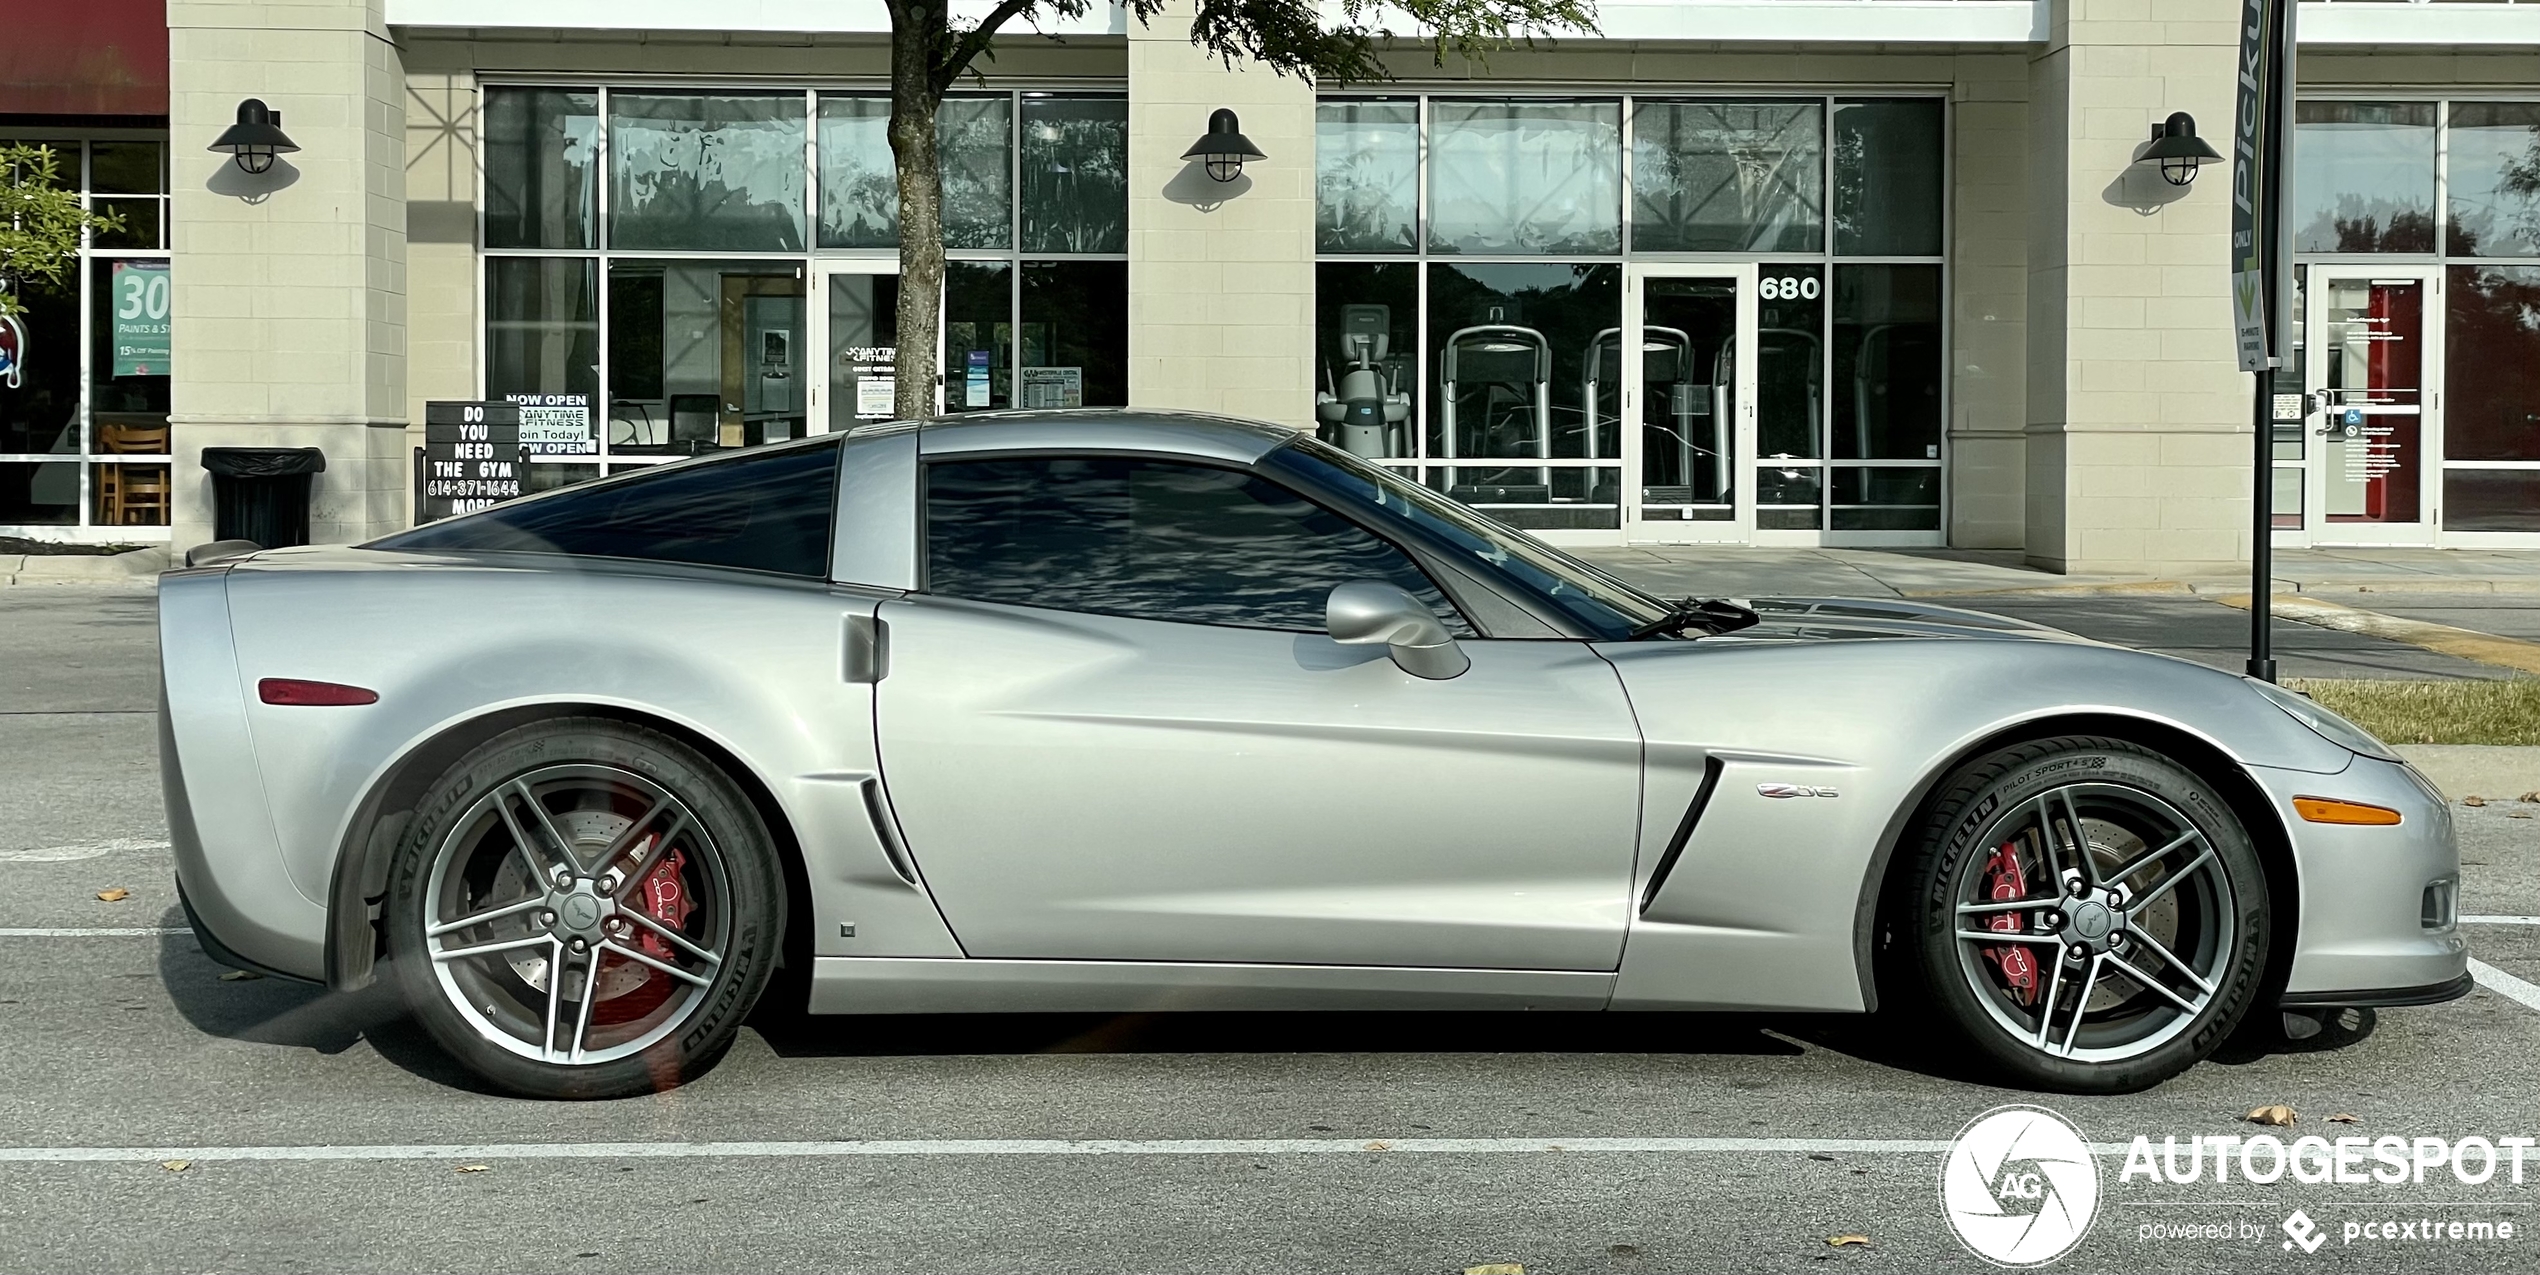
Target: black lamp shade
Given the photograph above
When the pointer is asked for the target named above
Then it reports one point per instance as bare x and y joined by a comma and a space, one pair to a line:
1223, 148
256, 138
2178, 150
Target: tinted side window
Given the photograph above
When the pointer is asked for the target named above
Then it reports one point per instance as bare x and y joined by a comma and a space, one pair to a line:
1152, 540
761, 511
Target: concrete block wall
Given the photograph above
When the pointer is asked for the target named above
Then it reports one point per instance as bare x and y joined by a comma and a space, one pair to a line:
2138, 449
289, 290
1988, 275
1221, 275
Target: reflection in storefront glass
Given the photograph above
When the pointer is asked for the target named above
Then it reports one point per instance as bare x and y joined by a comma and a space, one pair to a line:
2363, 177
1715, 176
542, 326
541, 167
1789, 395
39, 400
1366, 175
2492, 180
714, 172
859, 180
1075, 162
1525, 177
1888, 171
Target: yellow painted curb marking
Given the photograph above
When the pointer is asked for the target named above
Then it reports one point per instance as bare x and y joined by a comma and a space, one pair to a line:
2485, 648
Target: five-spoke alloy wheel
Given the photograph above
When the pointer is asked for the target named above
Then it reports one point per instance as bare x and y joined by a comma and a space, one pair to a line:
584, 909
2089, 915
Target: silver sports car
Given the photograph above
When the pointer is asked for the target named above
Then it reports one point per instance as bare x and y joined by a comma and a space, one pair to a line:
1109, 711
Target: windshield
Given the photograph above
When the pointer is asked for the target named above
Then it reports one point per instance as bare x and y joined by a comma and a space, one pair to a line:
1599, 604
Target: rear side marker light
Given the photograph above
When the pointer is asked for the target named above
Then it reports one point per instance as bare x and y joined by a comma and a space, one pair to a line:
293, 690
2328, 810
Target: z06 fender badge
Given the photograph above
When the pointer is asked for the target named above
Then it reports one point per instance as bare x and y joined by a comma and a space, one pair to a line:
1794, 790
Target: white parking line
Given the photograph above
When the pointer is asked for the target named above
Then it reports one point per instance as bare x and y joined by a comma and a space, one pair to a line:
94, 932
994, 1147
2500, 920
2504, 984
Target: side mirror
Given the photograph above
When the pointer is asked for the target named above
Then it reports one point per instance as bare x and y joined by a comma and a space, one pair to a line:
1371, 612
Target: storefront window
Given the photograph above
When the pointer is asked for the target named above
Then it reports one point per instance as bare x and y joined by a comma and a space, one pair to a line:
541, 167
1888, 362
1889, 170
1366, 175
1367, 355
706, 172
766, 339
2491, 350
705, 355
84, 436
1532, 178
1515, 354
859, 178
542, 326
1075, 174
2493, 180
2363, 177
979, 336
1728, 176
1075, 336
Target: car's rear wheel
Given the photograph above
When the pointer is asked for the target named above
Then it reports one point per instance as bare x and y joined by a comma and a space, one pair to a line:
584, 908
2086, 914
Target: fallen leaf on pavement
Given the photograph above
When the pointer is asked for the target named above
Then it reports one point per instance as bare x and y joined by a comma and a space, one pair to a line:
240, 976
2473, 800
1496, 1268
176, 1166
1819, 1155
2532, 797
1838, 1241
2275, 1113
1379, 1146
469, 1168
2342, 1118
2517, 814
116, 895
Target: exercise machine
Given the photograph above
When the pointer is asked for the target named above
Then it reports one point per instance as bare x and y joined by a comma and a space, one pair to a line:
1364, 408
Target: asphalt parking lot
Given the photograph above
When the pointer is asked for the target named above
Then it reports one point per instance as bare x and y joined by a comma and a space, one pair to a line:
321, 1132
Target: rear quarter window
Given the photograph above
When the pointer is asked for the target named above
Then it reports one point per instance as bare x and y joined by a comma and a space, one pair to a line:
766, 510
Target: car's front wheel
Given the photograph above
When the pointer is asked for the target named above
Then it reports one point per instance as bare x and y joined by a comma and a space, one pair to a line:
584, 908
2086, 914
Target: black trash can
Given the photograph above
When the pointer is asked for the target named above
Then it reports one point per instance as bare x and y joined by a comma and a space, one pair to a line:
262, 493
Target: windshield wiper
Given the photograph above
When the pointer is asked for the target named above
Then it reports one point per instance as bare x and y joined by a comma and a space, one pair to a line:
1712, 616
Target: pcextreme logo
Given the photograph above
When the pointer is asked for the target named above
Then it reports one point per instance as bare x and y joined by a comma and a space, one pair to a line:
2019, 1186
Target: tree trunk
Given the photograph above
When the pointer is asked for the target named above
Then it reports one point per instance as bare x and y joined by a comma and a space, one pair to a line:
915, 98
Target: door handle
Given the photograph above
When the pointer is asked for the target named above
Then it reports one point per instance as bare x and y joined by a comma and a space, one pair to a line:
867, 657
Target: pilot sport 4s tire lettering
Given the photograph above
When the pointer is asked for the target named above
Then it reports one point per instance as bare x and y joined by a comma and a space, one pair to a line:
2082, 914
583, 908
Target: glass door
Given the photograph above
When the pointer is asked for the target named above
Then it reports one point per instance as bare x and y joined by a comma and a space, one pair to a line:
2373, 342
1689, 403
856, 324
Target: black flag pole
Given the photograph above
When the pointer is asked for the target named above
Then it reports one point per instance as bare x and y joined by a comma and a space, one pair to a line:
2262, 279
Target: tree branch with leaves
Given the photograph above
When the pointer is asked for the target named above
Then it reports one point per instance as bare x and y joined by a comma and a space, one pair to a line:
930, 52
41, 222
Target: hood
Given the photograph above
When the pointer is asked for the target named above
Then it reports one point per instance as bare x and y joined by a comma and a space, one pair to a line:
1855, 619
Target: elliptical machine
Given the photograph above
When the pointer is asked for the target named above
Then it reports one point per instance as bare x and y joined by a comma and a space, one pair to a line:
1363, 413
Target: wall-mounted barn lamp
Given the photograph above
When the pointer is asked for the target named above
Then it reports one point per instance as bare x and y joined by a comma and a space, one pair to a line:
256, 138
1223, 148
2178, 150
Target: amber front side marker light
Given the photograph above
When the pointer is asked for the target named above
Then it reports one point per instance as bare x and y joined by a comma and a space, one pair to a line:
2329, 810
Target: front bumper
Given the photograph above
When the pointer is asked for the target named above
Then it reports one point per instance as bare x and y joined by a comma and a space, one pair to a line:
2364, 937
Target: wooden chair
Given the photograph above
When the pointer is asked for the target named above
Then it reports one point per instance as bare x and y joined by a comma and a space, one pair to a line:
145, 436
133, 495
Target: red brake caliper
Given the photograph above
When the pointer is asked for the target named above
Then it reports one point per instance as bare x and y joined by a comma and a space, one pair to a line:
2004, 881
662, 897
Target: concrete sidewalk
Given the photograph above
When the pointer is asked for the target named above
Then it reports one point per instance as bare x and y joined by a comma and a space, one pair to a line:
1741, 571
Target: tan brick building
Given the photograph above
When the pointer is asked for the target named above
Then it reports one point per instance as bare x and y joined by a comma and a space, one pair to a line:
1894, 275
